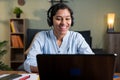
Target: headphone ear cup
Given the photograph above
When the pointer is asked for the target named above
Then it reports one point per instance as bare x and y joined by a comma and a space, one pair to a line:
72, 21
49, 22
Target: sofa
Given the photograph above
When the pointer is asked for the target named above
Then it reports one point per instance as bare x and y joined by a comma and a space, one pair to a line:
31, 33
86, 34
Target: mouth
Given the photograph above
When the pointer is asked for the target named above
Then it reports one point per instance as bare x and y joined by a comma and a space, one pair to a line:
63, 27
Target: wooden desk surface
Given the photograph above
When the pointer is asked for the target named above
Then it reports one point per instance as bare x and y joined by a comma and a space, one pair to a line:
12, 72
23, 72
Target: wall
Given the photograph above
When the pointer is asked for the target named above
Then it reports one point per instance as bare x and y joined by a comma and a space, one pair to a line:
91, 14
88, 14
4, 26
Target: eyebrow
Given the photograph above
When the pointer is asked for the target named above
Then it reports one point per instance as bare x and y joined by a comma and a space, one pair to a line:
61, 16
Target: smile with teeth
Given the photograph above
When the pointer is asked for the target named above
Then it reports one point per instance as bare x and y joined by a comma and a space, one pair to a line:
63, 27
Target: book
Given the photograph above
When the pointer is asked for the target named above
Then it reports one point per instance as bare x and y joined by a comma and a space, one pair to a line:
19, 41
10, 76
14, 28
14, 41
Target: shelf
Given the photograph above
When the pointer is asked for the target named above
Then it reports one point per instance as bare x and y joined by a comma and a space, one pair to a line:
18, 33
16, 48
113, 32
17, 42
17, 61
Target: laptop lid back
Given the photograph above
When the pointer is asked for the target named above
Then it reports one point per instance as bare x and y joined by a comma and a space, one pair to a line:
76, 67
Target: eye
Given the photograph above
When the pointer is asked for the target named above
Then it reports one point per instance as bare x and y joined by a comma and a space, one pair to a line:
68, 18
58, 18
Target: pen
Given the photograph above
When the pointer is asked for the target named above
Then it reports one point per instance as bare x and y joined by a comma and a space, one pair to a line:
24, 78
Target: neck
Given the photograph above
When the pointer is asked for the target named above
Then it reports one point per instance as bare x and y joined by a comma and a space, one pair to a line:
59, 38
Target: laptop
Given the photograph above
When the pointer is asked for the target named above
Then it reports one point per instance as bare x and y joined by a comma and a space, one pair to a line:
76, 66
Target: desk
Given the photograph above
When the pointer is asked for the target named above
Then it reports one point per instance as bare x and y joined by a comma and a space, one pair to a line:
117, 78
33, 76
12, 72
23, 72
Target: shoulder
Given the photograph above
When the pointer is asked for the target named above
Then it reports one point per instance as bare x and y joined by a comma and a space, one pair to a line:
75, 34
43, 33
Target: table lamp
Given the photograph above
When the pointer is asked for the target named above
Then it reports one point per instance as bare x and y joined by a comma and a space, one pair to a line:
110, 22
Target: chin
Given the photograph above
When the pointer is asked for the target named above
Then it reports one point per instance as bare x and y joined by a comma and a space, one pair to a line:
63, 32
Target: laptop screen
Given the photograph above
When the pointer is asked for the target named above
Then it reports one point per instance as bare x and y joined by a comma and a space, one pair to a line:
76, 67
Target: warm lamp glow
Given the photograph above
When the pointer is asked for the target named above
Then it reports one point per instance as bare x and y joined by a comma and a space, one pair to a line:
110, 20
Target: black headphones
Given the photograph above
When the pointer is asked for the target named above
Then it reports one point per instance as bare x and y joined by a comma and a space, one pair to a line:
52, 11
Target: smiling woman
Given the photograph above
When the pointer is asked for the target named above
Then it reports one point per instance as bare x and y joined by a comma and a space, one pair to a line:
59, 39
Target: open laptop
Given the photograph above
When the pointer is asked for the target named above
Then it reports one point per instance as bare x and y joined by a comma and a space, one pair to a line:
76, 66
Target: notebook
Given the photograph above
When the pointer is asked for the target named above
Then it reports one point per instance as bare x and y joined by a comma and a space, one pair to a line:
76, 67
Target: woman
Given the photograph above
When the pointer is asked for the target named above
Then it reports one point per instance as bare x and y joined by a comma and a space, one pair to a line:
58, 40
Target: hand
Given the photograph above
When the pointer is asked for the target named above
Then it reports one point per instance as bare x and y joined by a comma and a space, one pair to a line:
34, 69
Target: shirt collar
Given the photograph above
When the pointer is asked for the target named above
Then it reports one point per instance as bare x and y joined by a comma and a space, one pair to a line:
54, 37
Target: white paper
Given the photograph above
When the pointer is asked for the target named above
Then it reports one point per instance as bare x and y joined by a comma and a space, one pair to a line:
32, 76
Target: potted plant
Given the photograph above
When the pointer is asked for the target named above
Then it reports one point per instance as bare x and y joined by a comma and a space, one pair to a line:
3, 51
17, 11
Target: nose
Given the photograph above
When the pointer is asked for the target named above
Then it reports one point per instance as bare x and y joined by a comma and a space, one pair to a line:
63, 21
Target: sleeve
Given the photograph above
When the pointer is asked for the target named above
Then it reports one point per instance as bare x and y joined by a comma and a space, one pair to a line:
83, 46
35, 48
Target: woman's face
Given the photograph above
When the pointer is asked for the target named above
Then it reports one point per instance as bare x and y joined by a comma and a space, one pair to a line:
61, 22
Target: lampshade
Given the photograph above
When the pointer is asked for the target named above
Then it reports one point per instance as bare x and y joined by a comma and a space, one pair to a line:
110, 21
